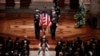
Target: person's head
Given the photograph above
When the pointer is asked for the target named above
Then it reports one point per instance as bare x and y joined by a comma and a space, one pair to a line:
59, 43
44, 36
9, 38
53, 12
25, 36
70, 49
17, 38
61, 38
93, 39
78, 37
7, 53
60, 53
37, 10
90, 53
44, 10
52, 8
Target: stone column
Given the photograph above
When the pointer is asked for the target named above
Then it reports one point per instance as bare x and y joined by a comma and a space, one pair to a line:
94, 7
95, 11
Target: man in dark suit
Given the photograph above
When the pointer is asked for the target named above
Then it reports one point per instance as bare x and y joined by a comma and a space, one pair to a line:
36, 23
77, 43
54, 20
1, 46
9, 46
17, 46
25, 46
58, 48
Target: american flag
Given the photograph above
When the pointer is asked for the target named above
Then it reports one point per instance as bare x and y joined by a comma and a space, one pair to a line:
45, 20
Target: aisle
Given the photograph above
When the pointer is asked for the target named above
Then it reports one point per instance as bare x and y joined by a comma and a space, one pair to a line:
35, 53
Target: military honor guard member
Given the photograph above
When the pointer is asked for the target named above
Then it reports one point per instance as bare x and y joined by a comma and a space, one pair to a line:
54, 20
36, 23
58, 11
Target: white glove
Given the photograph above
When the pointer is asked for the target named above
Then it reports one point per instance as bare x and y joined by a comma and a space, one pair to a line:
59, 15
56, 24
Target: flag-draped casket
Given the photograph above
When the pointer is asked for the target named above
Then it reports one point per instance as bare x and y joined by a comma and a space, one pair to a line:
44, 20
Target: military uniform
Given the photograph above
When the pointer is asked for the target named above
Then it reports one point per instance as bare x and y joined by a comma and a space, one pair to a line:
58, 12
54, 20
36, 24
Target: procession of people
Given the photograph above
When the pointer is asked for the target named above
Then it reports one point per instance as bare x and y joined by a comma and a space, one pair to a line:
44, 19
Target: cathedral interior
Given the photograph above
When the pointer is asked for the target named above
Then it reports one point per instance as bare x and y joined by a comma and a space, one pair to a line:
17, 21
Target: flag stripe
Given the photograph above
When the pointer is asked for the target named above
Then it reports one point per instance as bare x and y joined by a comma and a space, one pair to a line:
45, 20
